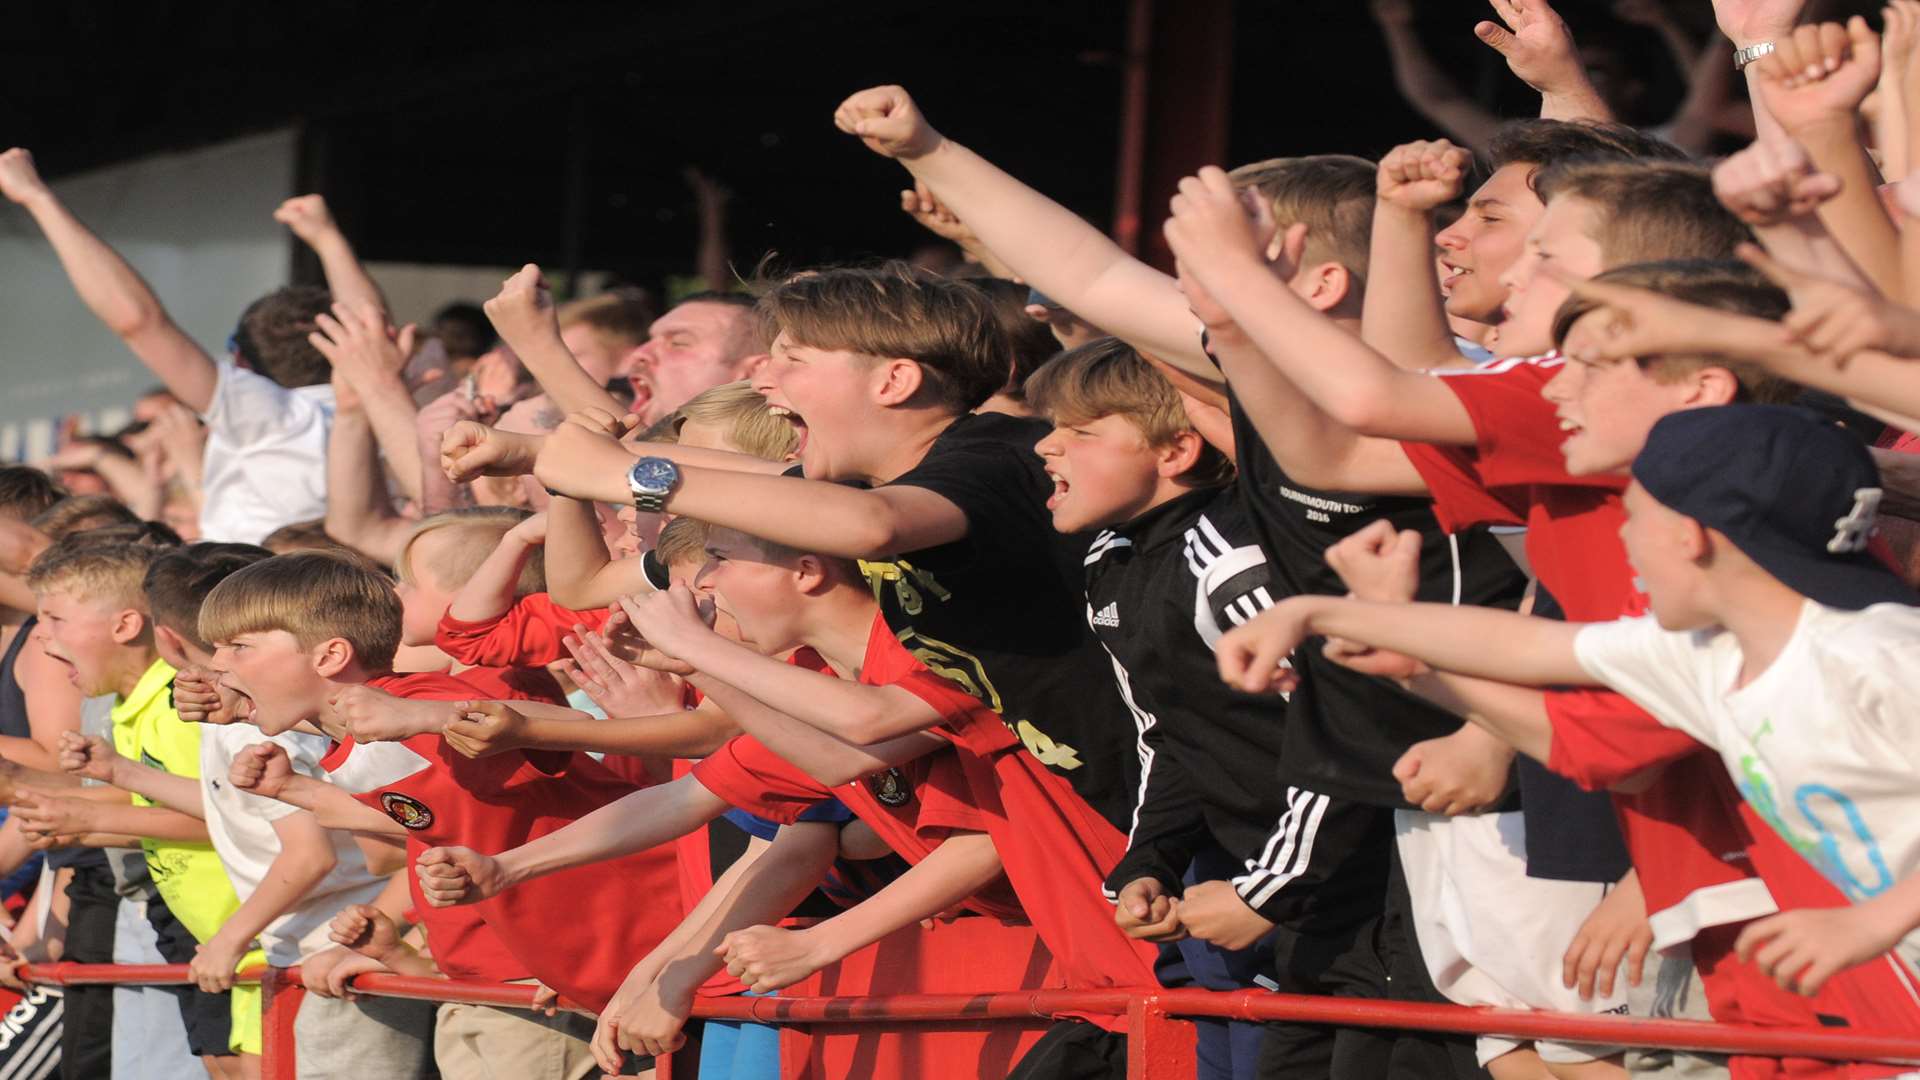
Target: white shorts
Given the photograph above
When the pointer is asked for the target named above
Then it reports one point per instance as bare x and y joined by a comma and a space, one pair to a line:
1491, 935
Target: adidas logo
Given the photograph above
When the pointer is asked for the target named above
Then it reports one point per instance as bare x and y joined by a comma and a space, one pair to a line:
1108, 616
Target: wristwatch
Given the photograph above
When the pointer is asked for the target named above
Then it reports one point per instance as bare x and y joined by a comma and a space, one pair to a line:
651, 480
1743, 57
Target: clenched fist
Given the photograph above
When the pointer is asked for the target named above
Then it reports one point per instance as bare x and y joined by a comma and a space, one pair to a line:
19, 180
887, 120
307, 216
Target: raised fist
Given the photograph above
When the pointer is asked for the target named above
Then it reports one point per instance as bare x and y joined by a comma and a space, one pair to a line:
87, 755
1421, 175
523, 309
1771, 182
469, 449
19, 180
457, 875
262, 768
887, 120
307, 216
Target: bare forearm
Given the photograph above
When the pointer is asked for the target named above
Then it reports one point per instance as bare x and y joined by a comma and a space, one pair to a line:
334, 808
181, 793
828, 760
845, 710
150, 822
1403, 316
647, 818
489, 593
391, 413
763, 893
559, 374
359, 513
1482, 642
293, 874
347, 280
1063, 256
1856, 217
130, 485
1431, 93
690, 733
1312, 447
576, 554
962, 865
1516, 715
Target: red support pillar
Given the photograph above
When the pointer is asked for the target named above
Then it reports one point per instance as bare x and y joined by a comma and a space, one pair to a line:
1159, 1046
281, 995
1175, 91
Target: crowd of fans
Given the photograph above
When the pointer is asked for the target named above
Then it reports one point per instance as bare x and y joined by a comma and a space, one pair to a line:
1512, 629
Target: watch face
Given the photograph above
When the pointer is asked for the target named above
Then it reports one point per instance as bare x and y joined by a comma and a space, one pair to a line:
654, 474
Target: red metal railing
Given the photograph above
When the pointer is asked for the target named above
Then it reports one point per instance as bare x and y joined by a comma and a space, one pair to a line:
1159, 1036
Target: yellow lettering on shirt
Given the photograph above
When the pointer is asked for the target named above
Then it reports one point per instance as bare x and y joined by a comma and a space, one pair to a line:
908, 581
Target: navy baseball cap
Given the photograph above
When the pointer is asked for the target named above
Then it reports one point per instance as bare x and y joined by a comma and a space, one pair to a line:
1794, 492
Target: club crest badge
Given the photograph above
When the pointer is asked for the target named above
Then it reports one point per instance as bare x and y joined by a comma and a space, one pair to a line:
410, 812
891, 788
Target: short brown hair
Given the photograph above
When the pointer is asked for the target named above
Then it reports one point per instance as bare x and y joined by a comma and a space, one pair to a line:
272, 336
1545, 143
482, 526
313, 595
897, 312
622, 316
111, 573
177, 582
1030, 339
1646, 211
749, 423
27, 492
78, 513
1332, 194
1722, 285
1109, 378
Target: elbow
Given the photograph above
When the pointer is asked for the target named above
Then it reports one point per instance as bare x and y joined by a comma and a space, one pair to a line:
135, 319
1366, 412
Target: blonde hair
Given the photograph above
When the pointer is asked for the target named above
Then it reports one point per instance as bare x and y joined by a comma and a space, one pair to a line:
1108, 378
315, 596
683, 540
749, 423
109, 573
302, 536
484, 526
1333, 194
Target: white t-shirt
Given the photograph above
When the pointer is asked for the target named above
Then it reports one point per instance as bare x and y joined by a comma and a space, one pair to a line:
1824, 744
240, 824
266, 463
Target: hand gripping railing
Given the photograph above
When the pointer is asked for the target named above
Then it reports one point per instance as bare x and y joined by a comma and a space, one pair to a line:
1159, 1035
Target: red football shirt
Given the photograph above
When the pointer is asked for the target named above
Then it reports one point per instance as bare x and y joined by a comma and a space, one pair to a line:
579, 931
525, 635
913, 807
1057, 849
514, 684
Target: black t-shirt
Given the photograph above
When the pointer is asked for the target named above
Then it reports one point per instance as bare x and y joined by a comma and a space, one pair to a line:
1347, 730
1572, 835
1001, 612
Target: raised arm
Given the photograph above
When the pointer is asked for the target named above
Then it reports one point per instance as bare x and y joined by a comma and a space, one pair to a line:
491, 590
354, 340
1423, 84
111, 289
93, 758
347, 280
1484, 643
265, 770
360, 510
1404, 316
524, 316
1046, 244
581, 572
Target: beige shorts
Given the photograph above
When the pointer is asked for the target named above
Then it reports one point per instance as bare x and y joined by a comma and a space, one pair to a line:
480, 1042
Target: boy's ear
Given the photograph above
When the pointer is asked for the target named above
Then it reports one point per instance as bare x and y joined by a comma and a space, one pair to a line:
810, 573
169, 641
128, 625
1175, 458
1325, 285
1695, 542
896, 381
332, 656
1714, 386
